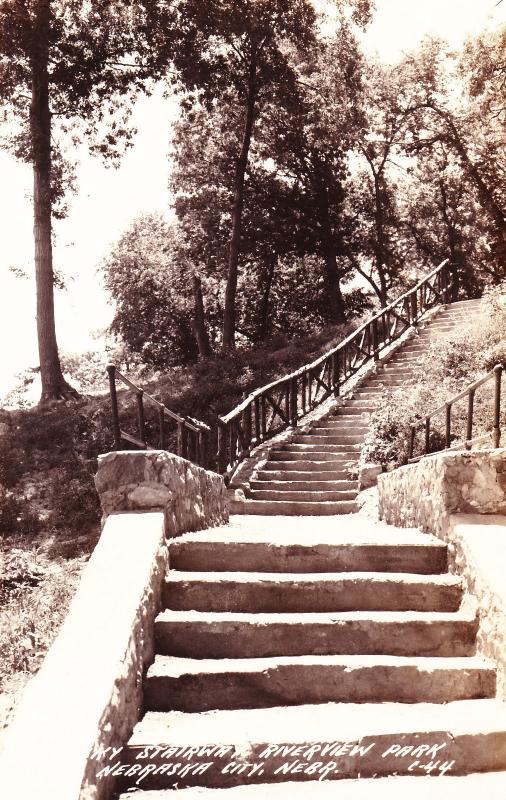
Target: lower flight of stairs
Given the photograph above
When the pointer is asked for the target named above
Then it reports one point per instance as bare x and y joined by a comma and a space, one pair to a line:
316, 471
288, 643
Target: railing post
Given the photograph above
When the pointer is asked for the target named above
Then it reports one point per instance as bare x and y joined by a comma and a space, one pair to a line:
375, 338
446, 289
412, 441
293, 401
257, 420
448, 408
247, 425
414, 309
140, 416
287, 394
203, 449
304, 393
427, 434
335, 373
470, 414
263, 417
161, 423
222, 448
497, 404
200, 452
111, 371
181, 439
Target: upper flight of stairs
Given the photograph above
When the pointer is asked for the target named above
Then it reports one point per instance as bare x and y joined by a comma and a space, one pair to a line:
298, 632
315, 472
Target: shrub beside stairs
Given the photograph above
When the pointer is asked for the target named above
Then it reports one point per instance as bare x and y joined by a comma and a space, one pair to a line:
316, 471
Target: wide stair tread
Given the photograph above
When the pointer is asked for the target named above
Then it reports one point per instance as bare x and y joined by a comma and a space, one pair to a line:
264, 592
279, 544
309, 494
192, 685
294, 507
472, 733
240, 635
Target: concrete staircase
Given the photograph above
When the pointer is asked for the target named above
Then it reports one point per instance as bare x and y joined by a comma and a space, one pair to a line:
300, 650
315, 472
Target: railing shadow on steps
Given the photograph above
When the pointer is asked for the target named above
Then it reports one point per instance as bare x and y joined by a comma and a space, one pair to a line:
278, 405
430, 444
272, 408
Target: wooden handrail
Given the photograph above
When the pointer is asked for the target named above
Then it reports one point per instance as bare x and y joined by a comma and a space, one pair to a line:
279, 404
314, 364
192, 434
467, 443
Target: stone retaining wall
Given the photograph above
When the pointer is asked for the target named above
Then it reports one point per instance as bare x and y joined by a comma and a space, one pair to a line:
461, 498
191, 498
477, 552
425, 494
87, 696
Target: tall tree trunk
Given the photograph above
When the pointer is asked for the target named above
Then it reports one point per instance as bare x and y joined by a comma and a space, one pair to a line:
237, 209
263, 328
380, 247
334, 296
199, 321
54, 385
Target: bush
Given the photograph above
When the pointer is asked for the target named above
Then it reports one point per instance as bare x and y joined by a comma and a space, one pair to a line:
33, 610
15, 515
73, 499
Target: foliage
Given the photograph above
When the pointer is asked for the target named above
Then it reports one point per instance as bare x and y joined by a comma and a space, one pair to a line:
149, 281
34, 598
446, 369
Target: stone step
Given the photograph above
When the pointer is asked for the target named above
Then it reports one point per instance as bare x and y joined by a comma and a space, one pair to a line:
193, 685
317, 447
312, 494
357, 406
346, 739
399, 375
333, 428
239, 635
378, 383
293, 507
290, 550
336, 466
330, 438
264, 592
325, 476
417, 786
303, 456
464, 304
306, 485
366, 391
352, 411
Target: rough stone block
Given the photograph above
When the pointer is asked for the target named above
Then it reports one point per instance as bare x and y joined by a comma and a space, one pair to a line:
191, 497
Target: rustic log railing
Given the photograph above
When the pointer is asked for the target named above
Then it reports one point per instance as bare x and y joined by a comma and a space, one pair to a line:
192, 435
280, 404
469, 392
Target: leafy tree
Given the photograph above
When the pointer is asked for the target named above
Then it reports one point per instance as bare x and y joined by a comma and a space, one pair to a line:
442, 218
62, 63
468, 124
309, 144
149, 283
